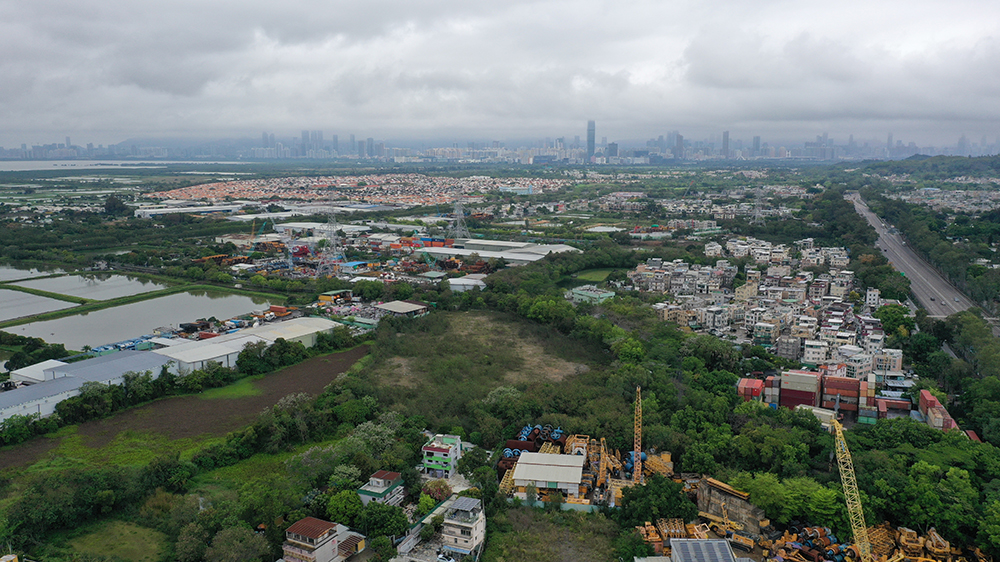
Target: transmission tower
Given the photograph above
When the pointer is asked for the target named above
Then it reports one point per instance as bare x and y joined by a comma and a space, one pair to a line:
758, 207
458, 229
332, 255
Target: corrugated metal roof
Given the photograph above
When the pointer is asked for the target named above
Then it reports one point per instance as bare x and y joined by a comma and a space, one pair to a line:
543, 467
207, 350
38, 391
466, 504
112, 366
311, 527
400, 307
701, 550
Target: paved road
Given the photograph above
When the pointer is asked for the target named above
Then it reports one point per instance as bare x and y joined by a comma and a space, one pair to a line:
929, 287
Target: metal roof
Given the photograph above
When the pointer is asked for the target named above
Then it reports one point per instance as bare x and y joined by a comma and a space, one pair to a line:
701, 550
38, 391
111, 366
400, 307
207, 350
37, 371
465, 504
544, 467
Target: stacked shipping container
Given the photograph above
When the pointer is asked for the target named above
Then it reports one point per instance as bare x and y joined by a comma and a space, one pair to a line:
772, 387
847, 388
937, 416
750, 389
800, 387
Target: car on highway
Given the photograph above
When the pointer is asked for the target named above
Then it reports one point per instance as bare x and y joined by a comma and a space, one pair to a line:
956, 299
932, 298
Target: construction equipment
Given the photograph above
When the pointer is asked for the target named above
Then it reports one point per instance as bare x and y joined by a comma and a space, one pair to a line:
659, 464
637, 446
937, 547
549, 448
851, 494
911, 542
507, 483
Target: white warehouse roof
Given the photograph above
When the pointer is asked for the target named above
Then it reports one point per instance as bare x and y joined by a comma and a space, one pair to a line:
546, 467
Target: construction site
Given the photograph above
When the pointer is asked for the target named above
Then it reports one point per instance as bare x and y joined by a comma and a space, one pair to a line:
585, 472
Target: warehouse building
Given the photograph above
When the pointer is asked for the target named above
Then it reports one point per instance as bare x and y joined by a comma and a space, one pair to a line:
64, 381
197, 355
549, 473
33, 374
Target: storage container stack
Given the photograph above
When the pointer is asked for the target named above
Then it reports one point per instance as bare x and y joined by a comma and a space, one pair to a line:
800, 387
847, 388
772, 389
937, 416
750, 389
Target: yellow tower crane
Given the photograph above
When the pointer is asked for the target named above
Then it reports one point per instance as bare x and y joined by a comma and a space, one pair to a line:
850, 483
637, 450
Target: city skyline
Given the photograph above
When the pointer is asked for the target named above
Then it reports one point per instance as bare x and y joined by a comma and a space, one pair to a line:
774, 69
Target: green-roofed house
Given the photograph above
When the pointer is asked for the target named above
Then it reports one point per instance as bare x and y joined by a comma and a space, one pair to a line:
441, 454
383, 487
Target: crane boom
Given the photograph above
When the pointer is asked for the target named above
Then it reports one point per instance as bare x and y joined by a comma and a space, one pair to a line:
850, 483
637, 450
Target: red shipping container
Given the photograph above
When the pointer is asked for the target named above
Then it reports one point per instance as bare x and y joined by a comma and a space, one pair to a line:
207, 335
800, 394
847, 407
829, 405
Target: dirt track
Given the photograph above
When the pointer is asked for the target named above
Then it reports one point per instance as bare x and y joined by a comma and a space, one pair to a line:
191, 416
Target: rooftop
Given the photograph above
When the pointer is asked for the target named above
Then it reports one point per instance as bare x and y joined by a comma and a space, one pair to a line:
701, 550
543, 467
311, 527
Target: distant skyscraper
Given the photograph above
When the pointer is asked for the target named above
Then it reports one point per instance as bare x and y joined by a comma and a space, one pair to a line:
270, 140
305, 140
612, 149
263, 140
725, 144
679, 147
68, 143
335, 143
354, 145
888, 141
756, 145
604, 141
370, 147
361, 149
591, 139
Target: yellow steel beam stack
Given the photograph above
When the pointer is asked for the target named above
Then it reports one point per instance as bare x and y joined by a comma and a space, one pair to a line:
507, 484
549, 448
850, 483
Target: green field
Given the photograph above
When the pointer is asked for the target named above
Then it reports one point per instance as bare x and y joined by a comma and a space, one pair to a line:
594, 275
119, 539
569, 536
240, 389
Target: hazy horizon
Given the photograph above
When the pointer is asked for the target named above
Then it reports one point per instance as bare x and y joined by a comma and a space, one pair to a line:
389, 69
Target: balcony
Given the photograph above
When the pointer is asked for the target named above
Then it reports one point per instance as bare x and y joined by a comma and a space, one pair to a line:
297, 553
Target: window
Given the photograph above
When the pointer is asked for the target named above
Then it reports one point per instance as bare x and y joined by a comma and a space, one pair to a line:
466, 533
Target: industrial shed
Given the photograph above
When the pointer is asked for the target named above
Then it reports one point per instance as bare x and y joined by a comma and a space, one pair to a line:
302, 330
111, 368
196, 355
548, 472
38, 398
64, 381
33, 374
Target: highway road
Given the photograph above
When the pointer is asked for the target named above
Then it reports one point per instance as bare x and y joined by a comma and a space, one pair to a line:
929, 287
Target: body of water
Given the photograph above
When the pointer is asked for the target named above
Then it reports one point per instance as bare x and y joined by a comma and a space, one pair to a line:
11, 273
124, 322
96, 286
15, 304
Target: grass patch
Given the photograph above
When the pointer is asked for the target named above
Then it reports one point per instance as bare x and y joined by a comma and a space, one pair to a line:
239, 389
119, 539
594, 275
447, 360
256, 467
48, 295
128, 448
568, 536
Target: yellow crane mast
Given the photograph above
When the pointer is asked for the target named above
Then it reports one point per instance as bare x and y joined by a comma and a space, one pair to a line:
637, 451
850, 483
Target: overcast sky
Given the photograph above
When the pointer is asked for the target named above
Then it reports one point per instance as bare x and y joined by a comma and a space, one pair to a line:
104, 71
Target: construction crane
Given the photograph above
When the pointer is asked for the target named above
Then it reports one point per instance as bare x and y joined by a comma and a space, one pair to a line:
850, 483
637, 446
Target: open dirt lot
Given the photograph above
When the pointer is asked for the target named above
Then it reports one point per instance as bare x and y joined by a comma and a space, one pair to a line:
191, 416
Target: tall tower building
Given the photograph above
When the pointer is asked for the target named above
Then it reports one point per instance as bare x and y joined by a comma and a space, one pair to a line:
370, 147
353, 145
725, 144
679, 147
305, 140
335, 143
263, 140
591, 139
756, 145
